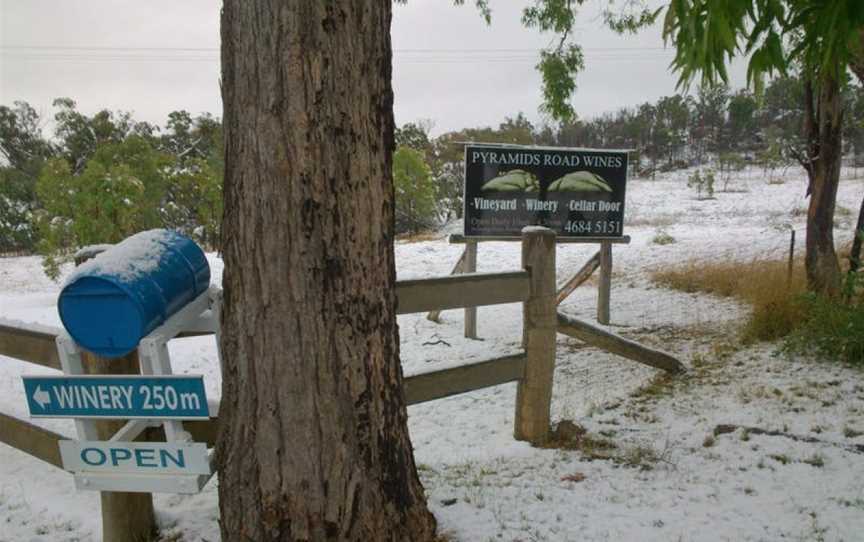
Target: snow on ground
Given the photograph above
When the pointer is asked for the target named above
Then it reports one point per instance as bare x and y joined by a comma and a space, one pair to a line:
655, 469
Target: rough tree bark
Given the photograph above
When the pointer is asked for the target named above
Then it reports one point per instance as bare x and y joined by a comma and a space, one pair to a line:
855, 252
823, 116
857, 63
857, 66
314, 443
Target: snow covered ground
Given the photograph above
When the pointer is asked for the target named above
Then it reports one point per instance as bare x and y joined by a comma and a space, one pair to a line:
666, 459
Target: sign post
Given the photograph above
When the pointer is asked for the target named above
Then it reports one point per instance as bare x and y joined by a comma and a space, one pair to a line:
577, 193
120, 308
106, 456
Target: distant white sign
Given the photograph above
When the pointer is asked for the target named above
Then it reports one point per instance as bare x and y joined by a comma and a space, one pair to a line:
135, 457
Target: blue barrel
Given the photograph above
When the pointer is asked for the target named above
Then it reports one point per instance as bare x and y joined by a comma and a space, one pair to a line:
114, 300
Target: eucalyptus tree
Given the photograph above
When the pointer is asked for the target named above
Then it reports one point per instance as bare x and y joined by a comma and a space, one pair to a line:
313, 440
741, 122
23, 152
823, 40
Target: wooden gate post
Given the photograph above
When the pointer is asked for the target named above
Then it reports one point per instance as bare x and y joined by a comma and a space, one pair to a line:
470, 266
604, 289
534, 391
125, 516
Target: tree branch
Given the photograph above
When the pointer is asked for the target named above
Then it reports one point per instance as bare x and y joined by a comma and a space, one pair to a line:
811, 133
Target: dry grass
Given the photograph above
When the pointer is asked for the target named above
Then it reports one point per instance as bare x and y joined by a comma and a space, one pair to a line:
763, 284
570, 436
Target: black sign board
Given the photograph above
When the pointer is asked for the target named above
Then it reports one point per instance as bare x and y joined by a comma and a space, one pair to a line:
575, 192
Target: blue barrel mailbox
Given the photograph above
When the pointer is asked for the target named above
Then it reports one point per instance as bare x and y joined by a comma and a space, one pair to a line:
114, 300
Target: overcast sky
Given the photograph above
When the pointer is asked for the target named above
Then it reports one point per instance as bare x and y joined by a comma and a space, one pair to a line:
152, 57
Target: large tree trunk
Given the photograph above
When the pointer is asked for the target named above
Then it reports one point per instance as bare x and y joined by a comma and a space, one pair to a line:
126, 516
855, 252
314, 443
857, 66
823, 126
857, 63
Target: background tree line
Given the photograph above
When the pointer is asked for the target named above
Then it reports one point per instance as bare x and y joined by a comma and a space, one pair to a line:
103, 177
718, 126
100, 178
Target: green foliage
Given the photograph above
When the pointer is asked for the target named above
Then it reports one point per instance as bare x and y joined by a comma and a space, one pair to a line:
104, 177
79, 136
709, 110
782, 111
414, 135
702, 181
193, 201
632, 18
415, 191
22, 146
742, 119
729, 163
112, 177
559, 68
23, 151
662, 237
831, 329
17, 200
772, 156
117, 194
558, 65
671, 118
776, 34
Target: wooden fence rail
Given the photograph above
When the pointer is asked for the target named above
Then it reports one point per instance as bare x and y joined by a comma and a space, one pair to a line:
420, 388
30, 345
39, 347
42, 443
581, 276
464, 378
420, 295
457, 291
532, 369
31, 439
618, 345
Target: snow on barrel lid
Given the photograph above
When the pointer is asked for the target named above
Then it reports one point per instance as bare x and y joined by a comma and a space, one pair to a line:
112, 301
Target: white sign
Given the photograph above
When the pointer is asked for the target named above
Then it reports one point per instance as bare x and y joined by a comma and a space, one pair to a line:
153, 458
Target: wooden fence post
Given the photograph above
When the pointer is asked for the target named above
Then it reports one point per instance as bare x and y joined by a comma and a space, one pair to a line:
534, 391
125, 516
470, 266
604, 289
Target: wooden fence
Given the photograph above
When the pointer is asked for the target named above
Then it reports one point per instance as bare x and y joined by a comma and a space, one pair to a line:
467, 263
532, 369
128, 516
